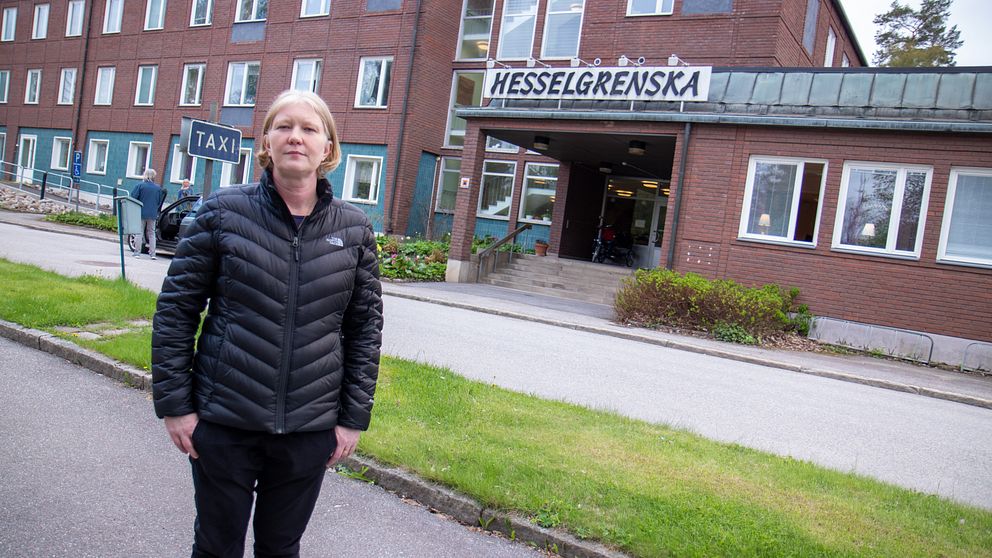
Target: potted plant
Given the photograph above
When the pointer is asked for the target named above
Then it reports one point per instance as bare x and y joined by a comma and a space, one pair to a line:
541, 247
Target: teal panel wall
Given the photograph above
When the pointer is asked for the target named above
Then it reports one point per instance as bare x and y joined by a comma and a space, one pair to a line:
116, 158
374, 211
420, 208
43, 152
442, 224
499, 229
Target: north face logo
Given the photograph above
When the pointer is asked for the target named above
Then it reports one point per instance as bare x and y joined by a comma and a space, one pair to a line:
334, 241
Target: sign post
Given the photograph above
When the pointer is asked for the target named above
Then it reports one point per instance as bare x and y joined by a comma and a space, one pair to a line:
210, 141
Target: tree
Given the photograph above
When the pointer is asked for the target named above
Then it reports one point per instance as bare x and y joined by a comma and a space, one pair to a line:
909, 38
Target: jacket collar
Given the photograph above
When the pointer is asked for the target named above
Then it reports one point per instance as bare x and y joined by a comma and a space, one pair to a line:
268, 187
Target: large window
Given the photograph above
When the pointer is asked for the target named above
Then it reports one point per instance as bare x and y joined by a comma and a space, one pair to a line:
498, 145
201, 13
67, 86
40, 29
112, 16
361, 179
311, 8
154, 15
516, 35
562, 28
252, 10
828, 56
32, 90
966, 233
373, 82
9, 24
809, 27
74, 18
882, 209
497, 189
104, 86
192, 84
306, 74
477, 24
782, 200
183, 166
239, 173
242, 84
61, 150
447, 187
4, 86
538, 200
138, 155
96, 156
650, 7
466, 91
144, 94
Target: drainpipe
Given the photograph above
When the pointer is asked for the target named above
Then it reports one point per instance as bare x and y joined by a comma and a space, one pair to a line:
391, 198
670, 264
77, 104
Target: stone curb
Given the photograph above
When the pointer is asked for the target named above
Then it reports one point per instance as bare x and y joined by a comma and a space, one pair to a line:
729, 355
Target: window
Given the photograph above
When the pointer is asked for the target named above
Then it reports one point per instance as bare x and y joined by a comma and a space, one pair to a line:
562, 28
516, 35
3, 144
67, 86
60, 153
144, 94
447, 187
96, 156
497, 189
361, 179
493, 144
4, 87
104, 86
809, 28
883, 209
201, 13
373, 82
540, 184
252, 10
306, 74
242, 84
236, 174
845, 62
9, 24
138, 154
183, 166
477, 25
310, 8
782, 200
966, 233
828, 56
154, 14
40, 29
192, 84
373, 6
650, 7
74, 18
466, 91
33, 87
112, 16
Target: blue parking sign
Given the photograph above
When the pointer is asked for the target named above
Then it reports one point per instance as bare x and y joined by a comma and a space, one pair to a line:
77, 164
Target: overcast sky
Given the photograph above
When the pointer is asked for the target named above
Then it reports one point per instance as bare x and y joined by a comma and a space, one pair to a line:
973, 18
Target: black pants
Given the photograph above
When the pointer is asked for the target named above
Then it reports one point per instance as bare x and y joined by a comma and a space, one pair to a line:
284, 470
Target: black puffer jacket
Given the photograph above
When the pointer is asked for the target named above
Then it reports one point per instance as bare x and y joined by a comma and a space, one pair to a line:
292, 334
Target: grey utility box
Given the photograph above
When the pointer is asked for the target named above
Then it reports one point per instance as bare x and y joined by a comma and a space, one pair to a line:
129, 212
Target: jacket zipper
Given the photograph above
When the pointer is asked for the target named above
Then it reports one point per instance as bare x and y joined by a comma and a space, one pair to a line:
287, 341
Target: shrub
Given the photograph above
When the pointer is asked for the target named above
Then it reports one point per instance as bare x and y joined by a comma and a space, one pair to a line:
102, 221
412, 259
733, 333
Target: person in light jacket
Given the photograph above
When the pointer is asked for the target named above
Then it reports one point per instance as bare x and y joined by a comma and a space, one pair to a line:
281, 381
151, 196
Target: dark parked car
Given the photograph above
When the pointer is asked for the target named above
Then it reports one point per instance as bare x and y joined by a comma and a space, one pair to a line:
172, 223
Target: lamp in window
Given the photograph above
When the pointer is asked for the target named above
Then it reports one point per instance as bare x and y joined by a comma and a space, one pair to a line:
606, 168
868, 231
636, 147
541, 143
764, 223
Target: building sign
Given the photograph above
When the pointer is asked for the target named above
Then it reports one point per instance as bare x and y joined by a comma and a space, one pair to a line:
674, 83
210, 141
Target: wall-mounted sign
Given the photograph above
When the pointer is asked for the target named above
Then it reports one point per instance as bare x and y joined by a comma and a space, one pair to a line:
465, 182
666, 83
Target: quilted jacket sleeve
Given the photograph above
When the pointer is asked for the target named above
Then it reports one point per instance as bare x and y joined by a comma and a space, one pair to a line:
362, 338
184, 295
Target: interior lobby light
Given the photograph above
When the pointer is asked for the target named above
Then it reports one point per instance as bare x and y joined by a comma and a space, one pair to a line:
868, 231
541, 143
636, 147
649, 184
606, 168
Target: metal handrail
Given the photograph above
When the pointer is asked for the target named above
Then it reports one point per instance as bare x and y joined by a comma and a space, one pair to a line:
872, 328
495, 246
964, 359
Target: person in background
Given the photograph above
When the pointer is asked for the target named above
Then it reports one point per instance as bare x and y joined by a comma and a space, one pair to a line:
279, 385
185, 189
151, 196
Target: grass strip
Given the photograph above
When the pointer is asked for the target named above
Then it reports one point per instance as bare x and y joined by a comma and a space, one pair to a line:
646, 488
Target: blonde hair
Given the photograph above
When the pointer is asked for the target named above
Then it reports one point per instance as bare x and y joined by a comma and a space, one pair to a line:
318, 105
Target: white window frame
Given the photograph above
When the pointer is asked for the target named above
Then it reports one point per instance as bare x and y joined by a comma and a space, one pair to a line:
482, 184
462, 38
325, 9
254, 11
151, 93
91, 156
349, 179
74, 18
56, 163
244, 83
547, 27
523, 194
661, 7
105, 76
40, 28
504, 27
797, 186
155, 25
4, 87
945, 228
64, 90
382, 92
8, 30
177, 165
494, 145
227, 169
3, 144
316, 66
441, 182
201, 70
452, 107
896, 210
112, 19
32, 94
845, 62
208, 17
132, 158
828, 55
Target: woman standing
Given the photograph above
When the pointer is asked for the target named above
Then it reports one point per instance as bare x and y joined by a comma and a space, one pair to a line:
281, 381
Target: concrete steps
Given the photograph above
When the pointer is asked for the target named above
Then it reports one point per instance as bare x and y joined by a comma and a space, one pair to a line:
573, 279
